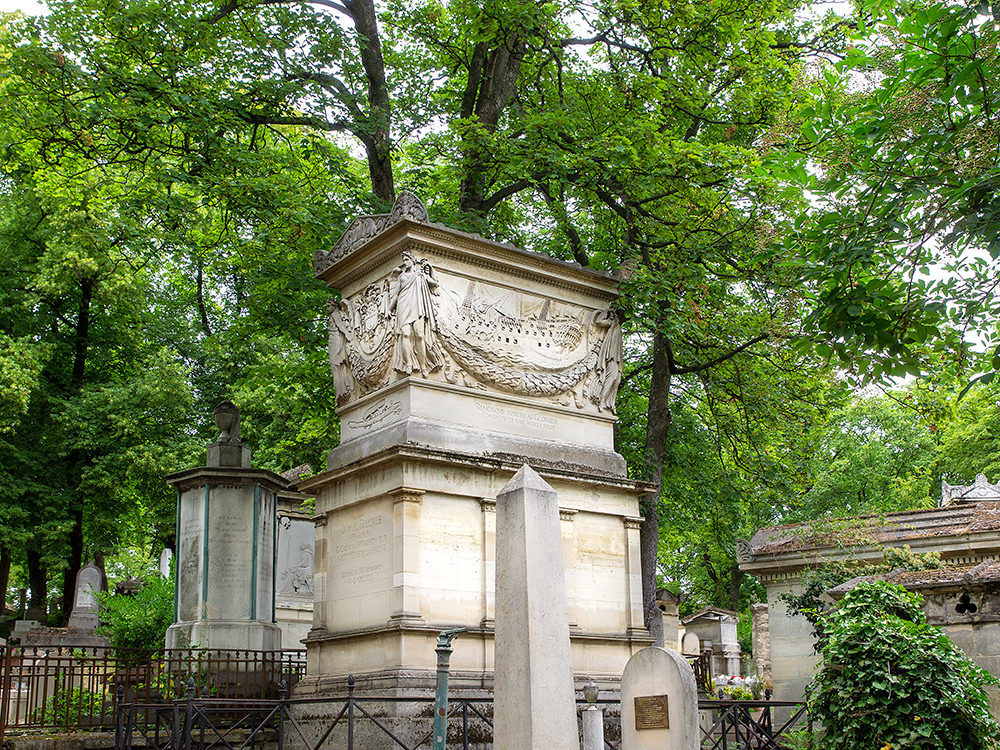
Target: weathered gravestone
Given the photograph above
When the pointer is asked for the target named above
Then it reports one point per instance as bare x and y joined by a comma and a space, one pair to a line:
225, 548
534, 701
86, 609
659, 702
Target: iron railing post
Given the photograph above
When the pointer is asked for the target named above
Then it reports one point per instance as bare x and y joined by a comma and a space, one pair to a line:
443, 651
350, 712
5, 696
188, 715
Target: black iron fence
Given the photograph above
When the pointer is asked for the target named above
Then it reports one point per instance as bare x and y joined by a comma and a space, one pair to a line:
400, 723
51, 688
748, 725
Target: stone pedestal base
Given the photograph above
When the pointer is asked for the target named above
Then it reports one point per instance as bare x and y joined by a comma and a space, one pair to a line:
217, 635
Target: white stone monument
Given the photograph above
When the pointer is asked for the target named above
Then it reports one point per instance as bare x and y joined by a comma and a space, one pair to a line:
226, 529
455, 360
166, 558
534, 701
294, 571
86, 608
659, 702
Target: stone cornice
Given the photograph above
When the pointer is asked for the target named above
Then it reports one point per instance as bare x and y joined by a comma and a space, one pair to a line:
959, 549
408, 452
227, 476
383, 249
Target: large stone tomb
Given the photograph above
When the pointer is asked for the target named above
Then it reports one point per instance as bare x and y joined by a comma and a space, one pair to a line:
226, 532
455, 360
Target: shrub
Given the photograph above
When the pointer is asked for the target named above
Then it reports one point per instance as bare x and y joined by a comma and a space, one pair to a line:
67, 707
889, 680
139, 621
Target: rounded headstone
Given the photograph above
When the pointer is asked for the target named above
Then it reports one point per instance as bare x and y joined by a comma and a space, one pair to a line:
659, 706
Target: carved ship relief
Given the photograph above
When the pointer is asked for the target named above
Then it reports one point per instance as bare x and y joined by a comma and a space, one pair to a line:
426, 323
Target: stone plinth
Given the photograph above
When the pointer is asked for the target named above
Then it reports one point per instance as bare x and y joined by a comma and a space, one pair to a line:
456, 360
225, 559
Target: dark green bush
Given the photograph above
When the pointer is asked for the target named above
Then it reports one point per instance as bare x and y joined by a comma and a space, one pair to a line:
890, 680
139, 621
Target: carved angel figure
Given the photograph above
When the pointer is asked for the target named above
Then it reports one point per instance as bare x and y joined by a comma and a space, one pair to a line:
603, 388
416, 346
341, 335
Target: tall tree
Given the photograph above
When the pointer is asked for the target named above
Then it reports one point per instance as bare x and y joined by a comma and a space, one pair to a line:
903, 251
649, 139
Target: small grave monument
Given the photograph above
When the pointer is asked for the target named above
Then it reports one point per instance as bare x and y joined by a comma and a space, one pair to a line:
86, 609
166, 558
659, 702
226, 530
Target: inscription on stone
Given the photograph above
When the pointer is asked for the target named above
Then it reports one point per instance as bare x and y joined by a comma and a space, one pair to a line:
228, 565
362, 544
518, 417
373, 415
189, 572
651, 712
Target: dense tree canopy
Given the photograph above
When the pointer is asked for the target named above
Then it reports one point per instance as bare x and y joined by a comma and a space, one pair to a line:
168, 170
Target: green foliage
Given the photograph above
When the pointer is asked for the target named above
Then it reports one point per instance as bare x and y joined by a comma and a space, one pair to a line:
139, 621
888, 679
817, 581
875, 454
901, 133
67, 707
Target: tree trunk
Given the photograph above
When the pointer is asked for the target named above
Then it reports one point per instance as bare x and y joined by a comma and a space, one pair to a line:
735, 578
75, 562
657, 425
37, 579
4, 576
206, 327
377, 138
75, 460
491, 85
82, 335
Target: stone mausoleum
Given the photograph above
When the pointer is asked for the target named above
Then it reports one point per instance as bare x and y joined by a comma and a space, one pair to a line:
962, 598
455, 360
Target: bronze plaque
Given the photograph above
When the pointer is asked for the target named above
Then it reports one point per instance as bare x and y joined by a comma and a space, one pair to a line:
651, 712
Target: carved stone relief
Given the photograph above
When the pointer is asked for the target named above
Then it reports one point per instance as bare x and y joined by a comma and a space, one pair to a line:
473, 334
362, 229
419, 322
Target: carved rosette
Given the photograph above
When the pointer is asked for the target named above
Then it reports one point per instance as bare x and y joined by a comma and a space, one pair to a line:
423, 322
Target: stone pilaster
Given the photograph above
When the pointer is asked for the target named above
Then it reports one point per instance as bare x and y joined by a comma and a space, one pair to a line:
406, 555
489, 508
320, 561
635, 622
569, 562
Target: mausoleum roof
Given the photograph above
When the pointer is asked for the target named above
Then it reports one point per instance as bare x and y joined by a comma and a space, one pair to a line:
986, 573
710, 613
879, 528
964, 530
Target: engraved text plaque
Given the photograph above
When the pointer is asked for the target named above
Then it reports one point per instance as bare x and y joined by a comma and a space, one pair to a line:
651, 712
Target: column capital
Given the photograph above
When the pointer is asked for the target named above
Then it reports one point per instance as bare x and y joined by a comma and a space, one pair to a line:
632, 522
319, 519
488, 504
406, 495
566, 514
